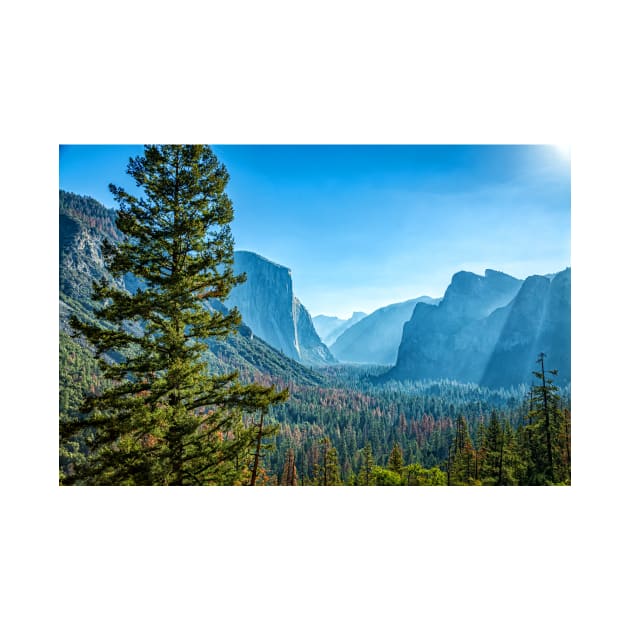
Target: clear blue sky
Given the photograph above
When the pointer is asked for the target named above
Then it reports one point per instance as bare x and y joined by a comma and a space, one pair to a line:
365, 226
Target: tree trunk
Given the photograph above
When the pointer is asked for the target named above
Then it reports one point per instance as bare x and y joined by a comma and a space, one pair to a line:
257, 455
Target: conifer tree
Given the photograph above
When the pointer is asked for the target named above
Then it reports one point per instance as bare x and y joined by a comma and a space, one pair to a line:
366, 474
461, 464
396, 462
327, 473
289, 472
493, 467
166, 420
331, 466
261, 431
547, 424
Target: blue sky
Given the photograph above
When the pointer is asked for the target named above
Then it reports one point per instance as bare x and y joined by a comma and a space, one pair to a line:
363, 226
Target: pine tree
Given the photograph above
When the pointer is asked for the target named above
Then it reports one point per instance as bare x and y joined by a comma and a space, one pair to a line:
327, 473
261, 431
546, 427
289, 472
396, 462
461, 463
366, 474
166, 420
493, 445
331, 464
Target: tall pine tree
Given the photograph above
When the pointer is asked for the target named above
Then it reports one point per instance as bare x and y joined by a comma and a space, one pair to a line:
549, 431
166, 420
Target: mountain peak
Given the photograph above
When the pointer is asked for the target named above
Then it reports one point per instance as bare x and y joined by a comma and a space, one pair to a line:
253, 256
493, 273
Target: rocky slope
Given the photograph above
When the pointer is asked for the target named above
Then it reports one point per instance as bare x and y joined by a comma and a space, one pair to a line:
376, 337
83, 226
268, 306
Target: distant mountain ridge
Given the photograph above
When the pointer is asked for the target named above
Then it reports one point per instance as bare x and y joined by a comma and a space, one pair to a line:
376, 337
330, 328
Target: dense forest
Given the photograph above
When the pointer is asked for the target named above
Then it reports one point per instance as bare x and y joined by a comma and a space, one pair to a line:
344, 429
161, 384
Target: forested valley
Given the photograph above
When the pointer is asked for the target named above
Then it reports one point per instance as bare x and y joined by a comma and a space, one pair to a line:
346, 430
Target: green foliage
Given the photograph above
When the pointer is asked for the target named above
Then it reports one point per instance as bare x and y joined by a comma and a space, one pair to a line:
165, 420
79, 376
415, 475
385, 477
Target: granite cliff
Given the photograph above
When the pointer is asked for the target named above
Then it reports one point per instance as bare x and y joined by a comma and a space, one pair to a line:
269, 307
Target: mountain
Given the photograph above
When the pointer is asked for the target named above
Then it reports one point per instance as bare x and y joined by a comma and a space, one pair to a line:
330, 328
376, 337
489, 330
269, 307
83, 226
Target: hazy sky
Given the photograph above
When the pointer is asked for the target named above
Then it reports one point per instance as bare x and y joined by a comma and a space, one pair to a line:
369, 225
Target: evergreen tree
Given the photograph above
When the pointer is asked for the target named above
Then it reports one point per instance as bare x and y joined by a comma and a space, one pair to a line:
331, 467
546, 397
493, 445
396, 462
289, 471
461, 464
366, 474
510, 457
261, 431
480, 451
166, 420
327, 473
547, 429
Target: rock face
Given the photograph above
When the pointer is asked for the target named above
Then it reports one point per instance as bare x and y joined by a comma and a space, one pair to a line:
376, 337
539, 320
489, 330
83, 226
449, 340
330, 328
268, 306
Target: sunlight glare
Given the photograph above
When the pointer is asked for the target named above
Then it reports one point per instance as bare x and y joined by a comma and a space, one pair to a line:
563, 150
